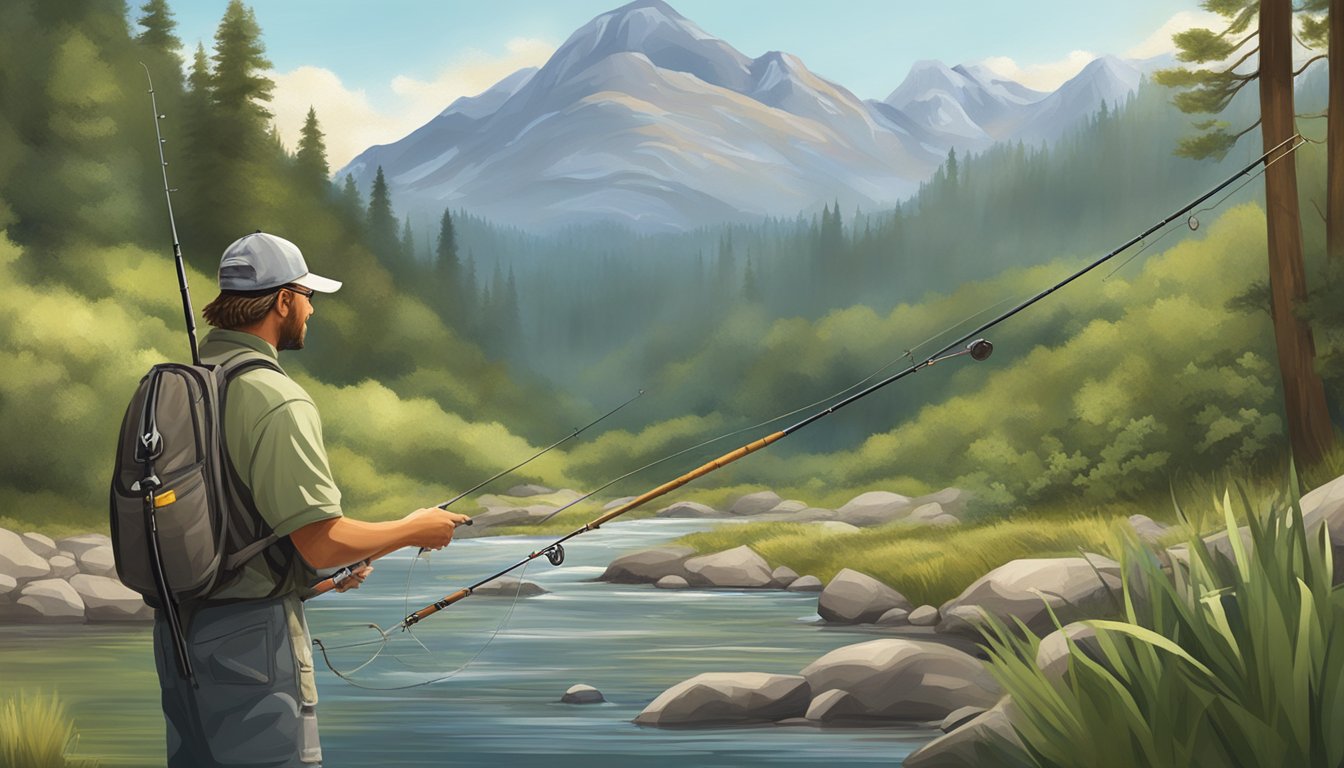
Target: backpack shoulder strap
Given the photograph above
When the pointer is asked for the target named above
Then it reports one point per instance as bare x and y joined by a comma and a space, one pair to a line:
231, 369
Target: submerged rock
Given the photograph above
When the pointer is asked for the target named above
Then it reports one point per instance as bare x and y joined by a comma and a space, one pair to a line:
582, 694
647, 565
722, 698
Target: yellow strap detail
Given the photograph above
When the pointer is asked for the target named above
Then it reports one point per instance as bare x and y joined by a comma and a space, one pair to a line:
164, 499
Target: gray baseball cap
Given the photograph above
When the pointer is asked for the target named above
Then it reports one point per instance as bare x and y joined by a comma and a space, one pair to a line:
260, 262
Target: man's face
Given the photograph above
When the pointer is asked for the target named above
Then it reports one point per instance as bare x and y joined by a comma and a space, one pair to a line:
295, 325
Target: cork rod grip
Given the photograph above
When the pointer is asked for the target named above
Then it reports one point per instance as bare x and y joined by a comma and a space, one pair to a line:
702, 470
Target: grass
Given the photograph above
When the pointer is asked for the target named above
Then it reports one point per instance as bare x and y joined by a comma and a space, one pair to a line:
1220, 663
36, 732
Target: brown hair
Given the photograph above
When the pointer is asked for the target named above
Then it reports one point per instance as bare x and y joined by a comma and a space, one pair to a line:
230, 311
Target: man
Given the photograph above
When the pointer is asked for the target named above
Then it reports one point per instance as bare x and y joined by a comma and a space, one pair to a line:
255, 696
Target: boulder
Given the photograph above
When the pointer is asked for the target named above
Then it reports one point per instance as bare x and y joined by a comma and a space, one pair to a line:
979, 742
719, 698
672, 582
48, 600
873, 508
855, 598
42, 546
97, 561
924, 616
689, 509
788, 507
63, 567
1147, 529
959, 718
107, 599
529, 489
1052, 655
736, 567
18, 561
507, 586
755, 503
647, 565
1022, 589
925, 512
952, 500
943, 521
582, 694
614, 503
528, 515
896, 617
78, 545
782, 577
899, 679
805, 584
832, 527
812, 515
8, 587
835, 706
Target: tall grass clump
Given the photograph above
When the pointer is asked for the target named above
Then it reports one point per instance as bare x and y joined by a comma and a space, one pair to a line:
1234, 658
36, 732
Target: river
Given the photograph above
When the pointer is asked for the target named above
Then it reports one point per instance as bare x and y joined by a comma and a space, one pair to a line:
508, 662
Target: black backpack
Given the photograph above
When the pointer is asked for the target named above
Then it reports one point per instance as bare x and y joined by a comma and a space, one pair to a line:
183, 524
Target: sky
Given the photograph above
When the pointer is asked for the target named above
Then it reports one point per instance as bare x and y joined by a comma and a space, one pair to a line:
374, 73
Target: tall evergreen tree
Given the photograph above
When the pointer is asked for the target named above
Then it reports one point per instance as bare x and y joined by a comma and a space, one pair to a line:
1209, 91
159, 29
407, 243
311, 158
381, 222
447, 269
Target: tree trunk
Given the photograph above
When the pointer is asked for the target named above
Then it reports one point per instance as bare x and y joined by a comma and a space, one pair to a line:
1334, 140
1309, 429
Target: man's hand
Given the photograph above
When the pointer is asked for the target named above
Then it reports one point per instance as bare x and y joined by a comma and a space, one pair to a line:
434, 527
356, 577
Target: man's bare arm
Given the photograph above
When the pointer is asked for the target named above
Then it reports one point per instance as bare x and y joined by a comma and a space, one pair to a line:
342, 541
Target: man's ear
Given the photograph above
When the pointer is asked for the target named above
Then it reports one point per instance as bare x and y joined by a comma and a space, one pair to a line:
284, 303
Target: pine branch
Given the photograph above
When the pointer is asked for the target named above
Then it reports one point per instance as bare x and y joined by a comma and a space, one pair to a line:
1308, 63
1237, 136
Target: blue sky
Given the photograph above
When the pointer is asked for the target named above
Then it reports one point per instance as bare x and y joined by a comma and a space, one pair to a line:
375, 72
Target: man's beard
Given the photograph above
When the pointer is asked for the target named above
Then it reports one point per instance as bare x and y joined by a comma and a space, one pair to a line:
292, 333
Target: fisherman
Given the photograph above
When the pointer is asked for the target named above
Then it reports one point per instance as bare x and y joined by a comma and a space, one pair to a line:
254, 699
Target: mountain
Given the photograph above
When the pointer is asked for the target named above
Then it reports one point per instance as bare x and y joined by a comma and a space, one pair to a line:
643, 118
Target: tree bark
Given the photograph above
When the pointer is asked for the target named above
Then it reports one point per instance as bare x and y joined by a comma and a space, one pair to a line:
1310, 432
1334, 140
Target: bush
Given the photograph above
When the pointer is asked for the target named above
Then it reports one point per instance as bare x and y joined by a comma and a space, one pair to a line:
1225, 662
36, 732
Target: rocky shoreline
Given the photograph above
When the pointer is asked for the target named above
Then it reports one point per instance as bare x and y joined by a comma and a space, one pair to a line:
70, 581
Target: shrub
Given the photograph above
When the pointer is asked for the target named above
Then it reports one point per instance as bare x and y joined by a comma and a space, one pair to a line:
36, 732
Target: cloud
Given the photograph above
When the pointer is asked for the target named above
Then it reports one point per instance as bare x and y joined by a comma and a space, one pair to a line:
352, 122
1043, 77
1159, 42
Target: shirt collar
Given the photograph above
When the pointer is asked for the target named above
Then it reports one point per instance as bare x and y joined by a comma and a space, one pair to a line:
227, 339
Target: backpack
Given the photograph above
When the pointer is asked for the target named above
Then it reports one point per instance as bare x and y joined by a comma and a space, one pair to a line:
183, 524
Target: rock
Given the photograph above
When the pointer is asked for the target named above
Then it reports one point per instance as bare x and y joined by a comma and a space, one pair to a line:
972, 745
952, 500
855, 598
647, 565
78, 545
530, 489
873, 508
8, 586
812, 515
723, 698
671, 582
899, 679
959, 718
782, 577
925, 512
788, 507
1022, 589
924, 616
40, 545
107, 599
614, 503
528, 515
736, 567
689, 509
755, 503
18, 561
508, 586
97, 561
805, 584
63, 567
1052, 656
1103, 564
1148, 530
896, 617
943, 521
49, 600
835, 527
582, 694
834, 706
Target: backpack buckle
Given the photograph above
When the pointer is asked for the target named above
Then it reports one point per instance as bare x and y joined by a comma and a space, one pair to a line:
148, 484
149, 445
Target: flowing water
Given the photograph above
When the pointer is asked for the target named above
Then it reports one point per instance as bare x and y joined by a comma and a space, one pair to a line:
509, 662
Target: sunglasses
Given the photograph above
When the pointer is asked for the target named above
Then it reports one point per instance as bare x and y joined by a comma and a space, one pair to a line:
307, 293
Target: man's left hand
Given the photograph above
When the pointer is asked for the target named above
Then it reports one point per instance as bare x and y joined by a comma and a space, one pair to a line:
356, 577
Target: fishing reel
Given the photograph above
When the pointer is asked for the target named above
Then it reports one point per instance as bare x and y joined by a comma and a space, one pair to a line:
555, 554
979, 350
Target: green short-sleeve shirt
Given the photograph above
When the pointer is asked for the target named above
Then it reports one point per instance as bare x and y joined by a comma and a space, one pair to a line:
274, 438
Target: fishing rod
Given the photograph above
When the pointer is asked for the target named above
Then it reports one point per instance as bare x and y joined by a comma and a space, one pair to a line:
172, 224
979, 350
339, 577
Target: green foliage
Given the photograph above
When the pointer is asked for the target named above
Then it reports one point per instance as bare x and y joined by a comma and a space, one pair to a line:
36, 732
310, 161
1236, 661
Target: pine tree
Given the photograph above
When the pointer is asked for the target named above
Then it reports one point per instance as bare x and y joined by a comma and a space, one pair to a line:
1209, 91
240, 88
381, 222
311, 159
407, 243
447, 268
159, 28
750, 290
